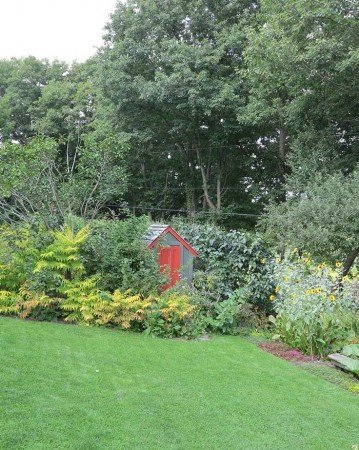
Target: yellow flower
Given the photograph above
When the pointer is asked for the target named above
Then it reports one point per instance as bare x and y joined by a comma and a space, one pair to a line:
277, 289
271, 297
332, 297
333, 274
345, 278
263, 260
295, 250
338, 264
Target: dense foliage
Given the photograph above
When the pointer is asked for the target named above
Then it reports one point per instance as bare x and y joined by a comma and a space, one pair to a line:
324, 220
116, 253
231, 264
217, 109
225, 105
51, 276
314, 313
171, 70
104, 274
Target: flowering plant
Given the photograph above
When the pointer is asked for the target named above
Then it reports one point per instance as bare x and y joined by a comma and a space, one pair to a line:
316, 311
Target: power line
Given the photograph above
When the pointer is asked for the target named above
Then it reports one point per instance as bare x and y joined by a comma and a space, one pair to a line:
170, 188
209, 147
144, 208
260, 143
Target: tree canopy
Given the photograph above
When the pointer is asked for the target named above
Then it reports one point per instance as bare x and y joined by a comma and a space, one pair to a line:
210, 109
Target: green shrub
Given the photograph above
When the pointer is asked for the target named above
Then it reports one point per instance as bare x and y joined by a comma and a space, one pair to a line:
229, 260
313, 312
173, 315
167, 315
9, 302
225, 317
20, 249
82, 299
38, 276
116, 253
20, 287
50, 283
235, 314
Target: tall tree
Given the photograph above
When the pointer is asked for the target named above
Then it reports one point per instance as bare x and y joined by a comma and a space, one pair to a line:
76, 163
301, 66
170, 68
21, 84
34, 182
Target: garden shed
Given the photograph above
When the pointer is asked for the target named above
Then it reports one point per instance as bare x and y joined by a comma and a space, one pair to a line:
175, 254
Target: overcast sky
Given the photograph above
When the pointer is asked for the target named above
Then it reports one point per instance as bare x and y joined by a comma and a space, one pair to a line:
63, 29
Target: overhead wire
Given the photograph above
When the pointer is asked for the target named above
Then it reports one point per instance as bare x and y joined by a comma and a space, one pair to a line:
145, 208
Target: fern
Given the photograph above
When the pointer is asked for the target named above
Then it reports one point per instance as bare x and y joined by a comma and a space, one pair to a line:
62, 257
31, 301
129, 311
83, 300
9, 303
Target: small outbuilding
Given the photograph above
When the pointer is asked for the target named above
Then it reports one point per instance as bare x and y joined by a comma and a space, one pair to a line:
175, 254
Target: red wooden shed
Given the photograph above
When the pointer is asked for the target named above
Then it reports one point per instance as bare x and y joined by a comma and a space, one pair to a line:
175, 254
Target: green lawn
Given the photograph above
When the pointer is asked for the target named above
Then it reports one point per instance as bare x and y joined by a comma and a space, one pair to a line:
73, 387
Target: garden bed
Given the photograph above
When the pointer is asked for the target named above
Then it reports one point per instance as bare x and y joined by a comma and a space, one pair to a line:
283, 351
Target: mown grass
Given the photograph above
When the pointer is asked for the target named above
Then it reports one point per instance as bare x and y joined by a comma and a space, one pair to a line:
333, 375
73, 387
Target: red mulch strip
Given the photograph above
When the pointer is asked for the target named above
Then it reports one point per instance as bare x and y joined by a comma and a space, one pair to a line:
285, 352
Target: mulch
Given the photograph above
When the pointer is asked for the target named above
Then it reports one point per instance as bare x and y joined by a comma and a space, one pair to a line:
283, 351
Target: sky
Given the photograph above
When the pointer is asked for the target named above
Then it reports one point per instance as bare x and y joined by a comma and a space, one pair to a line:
64, 29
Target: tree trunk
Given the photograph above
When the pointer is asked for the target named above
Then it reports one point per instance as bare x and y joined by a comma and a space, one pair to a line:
210, 203
219, 193
282, 163
282, 149
349, 261
347, 266
190, 201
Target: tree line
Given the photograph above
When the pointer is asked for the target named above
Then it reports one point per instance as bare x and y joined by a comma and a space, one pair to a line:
211, 108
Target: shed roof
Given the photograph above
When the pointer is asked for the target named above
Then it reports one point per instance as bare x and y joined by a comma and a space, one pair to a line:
157, 231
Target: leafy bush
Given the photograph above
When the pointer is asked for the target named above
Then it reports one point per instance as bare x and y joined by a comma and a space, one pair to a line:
50, 283
235, 314
116, 253
21, 287
81, 300
173, 315
9, 302
229, 260
35, 304
225, 317
62, 256
314, 313
20, 248
168, 315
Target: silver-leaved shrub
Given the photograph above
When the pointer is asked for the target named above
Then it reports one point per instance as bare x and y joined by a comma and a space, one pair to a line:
315, 311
